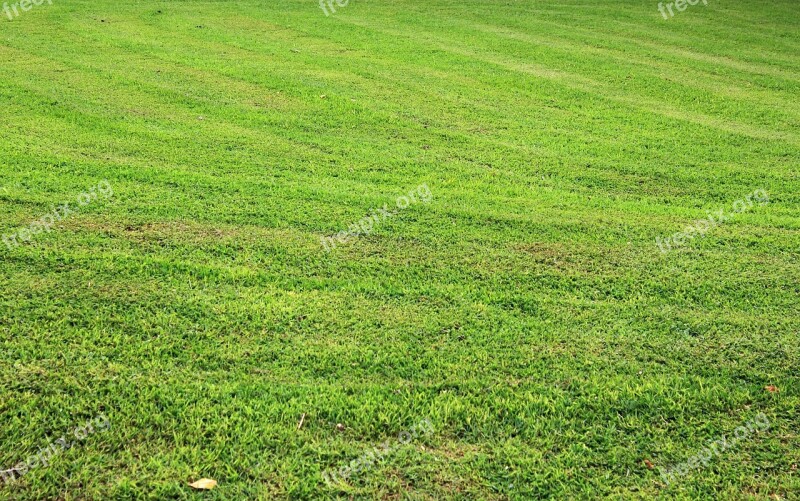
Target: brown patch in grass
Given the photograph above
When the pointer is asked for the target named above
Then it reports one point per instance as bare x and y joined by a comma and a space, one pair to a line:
577, 259
189, 232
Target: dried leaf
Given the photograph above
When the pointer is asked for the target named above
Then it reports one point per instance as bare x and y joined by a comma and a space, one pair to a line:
771, 389
649, 464
205, 484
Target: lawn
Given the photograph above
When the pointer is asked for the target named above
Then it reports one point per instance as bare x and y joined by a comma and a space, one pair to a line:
400, 250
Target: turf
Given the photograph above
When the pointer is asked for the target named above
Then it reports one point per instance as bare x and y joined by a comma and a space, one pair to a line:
525, 309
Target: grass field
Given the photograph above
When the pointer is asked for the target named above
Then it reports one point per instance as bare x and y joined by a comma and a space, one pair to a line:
524, 302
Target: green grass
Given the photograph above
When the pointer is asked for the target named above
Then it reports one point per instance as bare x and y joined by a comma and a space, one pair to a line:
525, 310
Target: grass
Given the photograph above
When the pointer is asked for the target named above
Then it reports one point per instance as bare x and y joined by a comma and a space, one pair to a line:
525, 310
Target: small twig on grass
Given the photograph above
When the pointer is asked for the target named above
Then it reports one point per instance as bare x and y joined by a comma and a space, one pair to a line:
302, 418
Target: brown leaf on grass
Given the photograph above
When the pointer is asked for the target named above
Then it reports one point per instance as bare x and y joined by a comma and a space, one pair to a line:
649, 464
205, 484
771, 389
